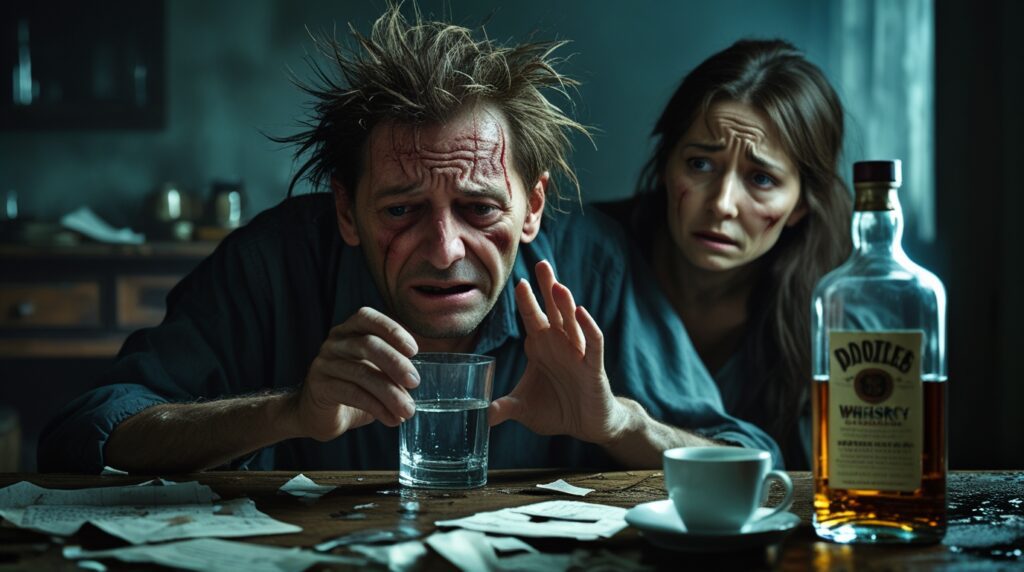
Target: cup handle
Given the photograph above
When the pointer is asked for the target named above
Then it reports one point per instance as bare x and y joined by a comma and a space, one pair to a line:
787, 501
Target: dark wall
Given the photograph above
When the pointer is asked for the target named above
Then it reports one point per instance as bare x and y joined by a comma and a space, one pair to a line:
979, 82
227, 64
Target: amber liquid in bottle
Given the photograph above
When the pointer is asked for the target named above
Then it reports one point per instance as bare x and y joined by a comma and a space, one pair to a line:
923, 510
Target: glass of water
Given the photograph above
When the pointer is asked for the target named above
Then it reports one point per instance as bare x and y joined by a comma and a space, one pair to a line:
444, 445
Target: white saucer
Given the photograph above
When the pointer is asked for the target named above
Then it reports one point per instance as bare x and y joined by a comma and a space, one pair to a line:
659, 522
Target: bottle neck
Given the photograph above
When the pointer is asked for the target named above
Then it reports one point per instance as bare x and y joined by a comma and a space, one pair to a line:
877, 221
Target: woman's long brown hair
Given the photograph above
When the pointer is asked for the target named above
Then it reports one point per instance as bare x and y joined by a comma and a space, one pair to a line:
772, 76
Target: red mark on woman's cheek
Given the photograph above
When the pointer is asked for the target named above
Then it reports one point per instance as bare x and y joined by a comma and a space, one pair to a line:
678, 188
676, 193
771, 221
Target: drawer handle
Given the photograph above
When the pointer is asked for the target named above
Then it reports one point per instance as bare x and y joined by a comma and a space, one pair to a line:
23, 309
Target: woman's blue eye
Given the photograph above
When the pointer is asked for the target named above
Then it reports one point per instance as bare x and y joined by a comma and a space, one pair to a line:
763, 180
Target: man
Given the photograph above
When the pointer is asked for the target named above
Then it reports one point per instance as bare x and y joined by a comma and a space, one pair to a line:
300, 327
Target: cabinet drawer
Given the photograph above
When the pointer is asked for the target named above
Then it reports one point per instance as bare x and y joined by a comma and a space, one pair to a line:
50, 305
141, 299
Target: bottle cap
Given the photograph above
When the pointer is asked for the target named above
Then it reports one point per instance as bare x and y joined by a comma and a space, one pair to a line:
878, 172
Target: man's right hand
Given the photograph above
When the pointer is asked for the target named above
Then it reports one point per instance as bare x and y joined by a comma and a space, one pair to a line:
362, 373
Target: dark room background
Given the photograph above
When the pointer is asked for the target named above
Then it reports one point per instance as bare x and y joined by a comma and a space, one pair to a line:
226, 66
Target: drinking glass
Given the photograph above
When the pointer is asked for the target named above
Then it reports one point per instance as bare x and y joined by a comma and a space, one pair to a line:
444, 444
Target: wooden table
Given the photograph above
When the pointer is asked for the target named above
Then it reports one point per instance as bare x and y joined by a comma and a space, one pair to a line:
986, 519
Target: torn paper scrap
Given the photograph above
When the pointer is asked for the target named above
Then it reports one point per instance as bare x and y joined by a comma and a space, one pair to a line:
90, 224
561, 486
92, 565
370, 536
397, 557
152, 512
141, 524
217, 556
572, 510
235, 518
63, 512
108, 470
467, 550
516, 522
66, 520
505, 544
535, 561
305, 489
25, 494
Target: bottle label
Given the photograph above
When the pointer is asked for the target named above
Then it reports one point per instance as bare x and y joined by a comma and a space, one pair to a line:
876, 410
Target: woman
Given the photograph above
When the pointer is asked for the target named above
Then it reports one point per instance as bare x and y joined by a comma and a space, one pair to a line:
741, 210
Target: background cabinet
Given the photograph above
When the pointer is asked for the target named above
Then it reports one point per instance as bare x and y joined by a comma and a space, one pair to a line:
64, 313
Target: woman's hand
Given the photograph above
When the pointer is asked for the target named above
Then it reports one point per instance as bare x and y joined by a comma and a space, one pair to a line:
565, 389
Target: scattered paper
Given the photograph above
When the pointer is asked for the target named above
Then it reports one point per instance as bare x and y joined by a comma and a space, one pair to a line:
397, 557
152, 512
563, 487
469, 551
305, 489
235, 518
572, 510
93, 565
66, 520
509, 544
565, 519
24, 494
534, 561
108, 470
370, 536
217, 555
90, 224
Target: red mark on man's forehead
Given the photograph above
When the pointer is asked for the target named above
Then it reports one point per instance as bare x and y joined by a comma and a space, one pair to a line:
473, 152
504, 163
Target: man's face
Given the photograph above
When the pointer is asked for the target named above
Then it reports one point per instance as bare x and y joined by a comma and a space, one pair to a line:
440, 213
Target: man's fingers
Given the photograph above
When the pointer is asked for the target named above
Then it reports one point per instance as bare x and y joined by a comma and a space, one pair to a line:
546, 281
529, 309
593, 335
567, 307
396, 399
339, 376
370, 321
503, 409
380, 353
353, 395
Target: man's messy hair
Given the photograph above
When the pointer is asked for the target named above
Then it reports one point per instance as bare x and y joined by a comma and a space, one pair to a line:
425, 72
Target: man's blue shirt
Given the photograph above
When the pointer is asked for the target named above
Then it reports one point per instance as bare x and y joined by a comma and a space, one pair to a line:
253, 315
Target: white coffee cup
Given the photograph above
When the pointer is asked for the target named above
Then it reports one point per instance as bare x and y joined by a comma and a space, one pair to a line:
717, 490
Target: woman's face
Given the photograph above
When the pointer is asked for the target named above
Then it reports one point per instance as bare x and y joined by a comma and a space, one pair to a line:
731, 188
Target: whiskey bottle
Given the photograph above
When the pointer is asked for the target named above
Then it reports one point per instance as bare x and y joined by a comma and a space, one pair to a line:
878, 327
